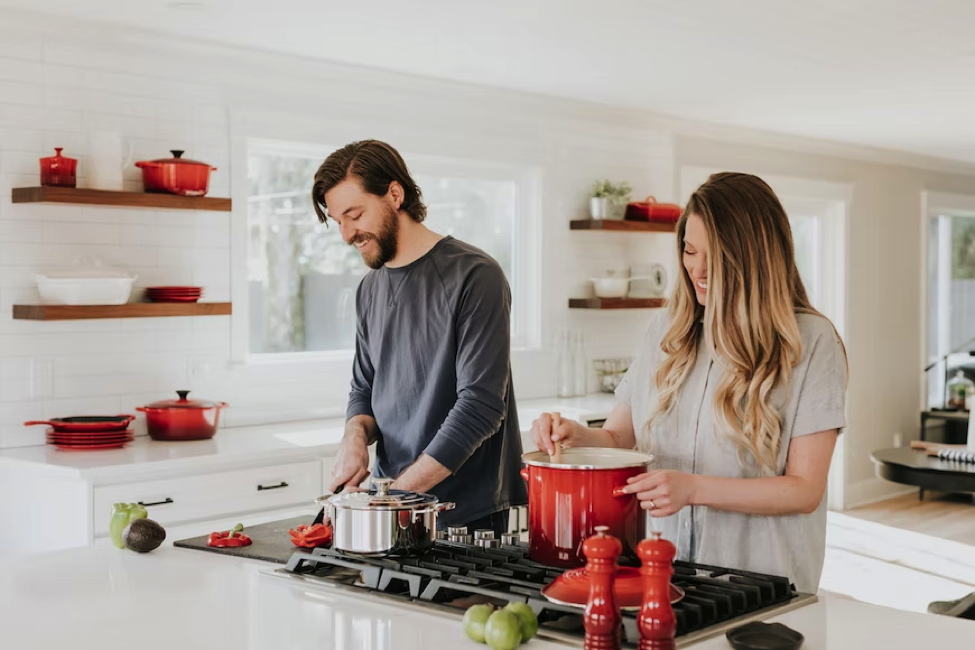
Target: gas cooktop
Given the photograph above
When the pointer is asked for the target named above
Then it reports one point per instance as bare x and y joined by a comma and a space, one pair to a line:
457, 574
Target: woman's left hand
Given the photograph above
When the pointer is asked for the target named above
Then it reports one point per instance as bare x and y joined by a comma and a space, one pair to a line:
663, 492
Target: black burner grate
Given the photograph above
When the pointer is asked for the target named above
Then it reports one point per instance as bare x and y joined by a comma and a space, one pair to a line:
455, 576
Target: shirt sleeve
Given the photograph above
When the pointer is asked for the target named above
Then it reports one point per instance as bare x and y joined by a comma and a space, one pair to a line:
821, 404
483, 367
360, 397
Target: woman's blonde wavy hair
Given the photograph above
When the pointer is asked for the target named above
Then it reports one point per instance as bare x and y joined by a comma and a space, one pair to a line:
750, 326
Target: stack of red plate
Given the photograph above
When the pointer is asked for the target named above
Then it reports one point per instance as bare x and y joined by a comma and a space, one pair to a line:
174, 294
89, 440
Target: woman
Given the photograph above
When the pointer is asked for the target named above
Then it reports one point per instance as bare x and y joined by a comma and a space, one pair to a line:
739, 392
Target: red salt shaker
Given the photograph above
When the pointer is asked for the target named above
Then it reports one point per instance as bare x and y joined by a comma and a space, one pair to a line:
602, 617
58, 170
656, 622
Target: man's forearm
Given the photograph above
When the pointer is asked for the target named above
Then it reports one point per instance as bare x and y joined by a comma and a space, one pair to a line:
362, 425
422, 476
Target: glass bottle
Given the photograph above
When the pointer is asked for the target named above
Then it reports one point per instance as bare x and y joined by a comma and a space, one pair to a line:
960, 391
567, 384
581, 365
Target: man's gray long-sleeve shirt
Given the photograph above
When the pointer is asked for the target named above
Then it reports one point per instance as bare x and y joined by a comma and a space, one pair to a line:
432, 366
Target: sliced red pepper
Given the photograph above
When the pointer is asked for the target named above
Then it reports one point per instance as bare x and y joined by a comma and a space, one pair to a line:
229, 538
311, 536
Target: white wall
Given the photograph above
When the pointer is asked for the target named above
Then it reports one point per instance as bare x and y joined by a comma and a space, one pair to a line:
58, 81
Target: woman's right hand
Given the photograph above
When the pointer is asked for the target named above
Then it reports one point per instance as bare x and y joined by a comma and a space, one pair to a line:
551, 429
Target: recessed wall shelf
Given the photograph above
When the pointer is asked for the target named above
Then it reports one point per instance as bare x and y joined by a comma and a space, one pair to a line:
84, 196
128, 310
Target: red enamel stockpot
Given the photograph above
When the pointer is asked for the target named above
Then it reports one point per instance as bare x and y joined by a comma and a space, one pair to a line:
567, 500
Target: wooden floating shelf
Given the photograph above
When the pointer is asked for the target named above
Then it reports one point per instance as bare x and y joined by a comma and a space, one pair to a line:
617, 303
621, 226
83, 196
129, 310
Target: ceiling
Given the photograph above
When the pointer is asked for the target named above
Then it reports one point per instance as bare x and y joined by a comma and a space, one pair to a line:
895, 74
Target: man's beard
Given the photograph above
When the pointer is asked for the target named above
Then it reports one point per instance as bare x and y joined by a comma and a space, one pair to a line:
385, 240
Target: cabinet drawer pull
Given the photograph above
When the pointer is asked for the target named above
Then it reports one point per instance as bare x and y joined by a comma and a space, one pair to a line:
156, 503
282, 484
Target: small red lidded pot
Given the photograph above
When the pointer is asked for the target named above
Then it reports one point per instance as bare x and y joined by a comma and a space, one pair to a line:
182, 419
58, 170
176, 175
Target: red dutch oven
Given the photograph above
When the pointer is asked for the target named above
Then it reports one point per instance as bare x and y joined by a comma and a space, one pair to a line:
176, 175
651, 210
182, 419
567, 500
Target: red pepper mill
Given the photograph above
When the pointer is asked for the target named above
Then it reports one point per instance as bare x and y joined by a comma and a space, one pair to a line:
602, 618
657, 623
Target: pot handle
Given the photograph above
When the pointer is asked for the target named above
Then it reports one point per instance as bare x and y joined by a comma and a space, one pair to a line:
31, 423
141, 409
618, 492
446, 505
524, 473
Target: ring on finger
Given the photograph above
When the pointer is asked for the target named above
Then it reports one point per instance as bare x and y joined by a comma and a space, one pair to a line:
653, 506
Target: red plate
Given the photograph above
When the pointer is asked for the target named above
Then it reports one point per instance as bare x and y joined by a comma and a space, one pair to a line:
116, 445
87, 440
572, 588
176, 291
174, 299
174, 288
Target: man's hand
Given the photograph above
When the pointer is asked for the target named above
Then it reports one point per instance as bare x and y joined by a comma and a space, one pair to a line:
352, 463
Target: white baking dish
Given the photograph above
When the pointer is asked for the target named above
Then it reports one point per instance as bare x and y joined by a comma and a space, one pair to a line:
84, 291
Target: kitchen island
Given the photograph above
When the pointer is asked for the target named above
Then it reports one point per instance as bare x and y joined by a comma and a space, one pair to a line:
106, 598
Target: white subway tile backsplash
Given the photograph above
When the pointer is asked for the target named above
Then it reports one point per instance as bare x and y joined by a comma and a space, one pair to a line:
81, 233
213, 236
100, 384
21, 232
180, 257
18, 92
19, 69
71, 407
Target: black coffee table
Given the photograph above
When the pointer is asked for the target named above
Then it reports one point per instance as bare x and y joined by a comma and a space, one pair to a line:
915, 467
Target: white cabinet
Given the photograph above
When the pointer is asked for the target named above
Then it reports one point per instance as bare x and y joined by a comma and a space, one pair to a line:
208, 496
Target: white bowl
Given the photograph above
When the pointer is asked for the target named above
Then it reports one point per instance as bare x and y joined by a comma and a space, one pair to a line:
84, 291
610, 287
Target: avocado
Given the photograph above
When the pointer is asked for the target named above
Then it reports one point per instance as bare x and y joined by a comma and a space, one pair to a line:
143, 535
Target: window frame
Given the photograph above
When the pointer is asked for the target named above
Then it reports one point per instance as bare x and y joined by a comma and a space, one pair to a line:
942, 206
526, 239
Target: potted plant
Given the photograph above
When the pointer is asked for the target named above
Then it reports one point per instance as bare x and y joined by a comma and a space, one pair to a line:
609, 200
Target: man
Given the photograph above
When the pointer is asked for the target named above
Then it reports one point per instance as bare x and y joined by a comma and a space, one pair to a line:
431, 380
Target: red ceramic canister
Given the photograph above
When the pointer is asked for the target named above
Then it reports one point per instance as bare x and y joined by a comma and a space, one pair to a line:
567, 500
58, 170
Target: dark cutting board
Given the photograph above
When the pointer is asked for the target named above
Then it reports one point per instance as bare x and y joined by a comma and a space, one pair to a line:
271, 541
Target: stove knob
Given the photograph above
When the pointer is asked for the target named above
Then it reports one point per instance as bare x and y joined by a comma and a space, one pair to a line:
465, 539
490, 543
441, 534
509, 539
483, 533
457, 530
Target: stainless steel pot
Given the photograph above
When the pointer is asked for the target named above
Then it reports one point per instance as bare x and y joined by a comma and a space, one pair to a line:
383, 522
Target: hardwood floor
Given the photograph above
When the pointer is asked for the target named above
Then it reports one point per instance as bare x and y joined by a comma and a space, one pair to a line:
944, 516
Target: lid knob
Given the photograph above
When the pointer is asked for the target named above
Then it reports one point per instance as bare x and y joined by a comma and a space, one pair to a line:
177, 153
182, 394
382, 486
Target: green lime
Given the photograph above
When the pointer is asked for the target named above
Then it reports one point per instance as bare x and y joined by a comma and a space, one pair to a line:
474, 619
525, 614
503, 631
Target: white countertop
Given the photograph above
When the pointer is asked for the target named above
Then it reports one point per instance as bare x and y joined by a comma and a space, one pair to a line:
283, 442
177, 598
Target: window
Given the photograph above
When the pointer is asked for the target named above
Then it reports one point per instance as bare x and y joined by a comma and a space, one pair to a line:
302, 277
950, 290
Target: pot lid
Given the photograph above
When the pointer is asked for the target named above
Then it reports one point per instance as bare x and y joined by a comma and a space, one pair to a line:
382, 498
183, 403
590, 458
177, 159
